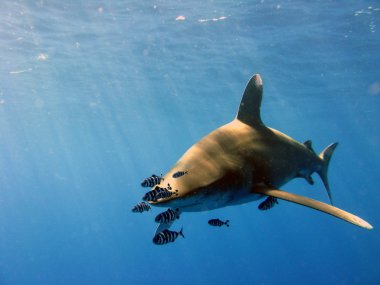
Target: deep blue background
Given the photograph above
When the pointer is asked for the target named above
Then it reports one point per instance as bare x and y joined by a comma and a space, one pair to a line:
97, 95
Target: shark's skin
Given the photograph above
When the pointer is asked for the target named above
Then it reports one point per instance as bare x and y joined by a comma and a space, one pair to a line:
244, 161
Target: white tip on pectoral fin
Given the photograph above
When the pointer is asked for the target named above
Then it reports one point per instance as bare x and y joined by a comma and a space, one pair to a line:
323, 207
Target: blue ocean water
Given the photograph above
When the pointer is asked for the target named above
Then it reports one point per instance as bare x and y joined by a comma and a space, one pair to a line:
97, 95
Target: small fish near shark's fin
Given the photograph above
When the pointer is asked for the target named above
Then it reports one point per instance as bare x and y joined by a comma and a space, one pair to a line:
249, 109
268, 203
314, 204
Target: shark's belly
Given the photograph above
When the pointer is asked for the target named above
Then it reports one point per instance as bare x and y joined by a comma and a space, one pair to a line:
210, 198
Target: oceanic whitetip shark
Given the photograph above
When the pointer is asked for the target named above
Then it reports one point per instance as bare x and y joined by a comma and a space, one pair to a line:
245, 161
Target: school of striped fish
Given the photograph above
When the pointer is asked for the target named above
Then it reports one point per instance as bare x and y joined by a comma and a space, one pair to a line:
170, 215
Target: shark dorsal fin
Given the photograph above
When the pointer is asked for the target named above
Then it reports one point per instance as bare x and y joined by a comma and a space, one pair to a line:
249, 109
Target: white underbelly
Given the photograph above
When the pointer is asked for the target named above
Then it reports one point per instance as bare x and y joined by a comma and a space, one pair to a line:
210, 199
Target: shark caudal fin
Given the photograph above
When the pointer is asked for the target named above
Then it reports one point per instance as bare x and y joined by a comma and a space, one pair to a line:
249, 109
325, 156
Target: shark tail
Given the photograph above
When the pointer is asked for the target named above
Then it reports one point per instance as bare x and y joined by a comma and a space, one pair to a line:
325, 156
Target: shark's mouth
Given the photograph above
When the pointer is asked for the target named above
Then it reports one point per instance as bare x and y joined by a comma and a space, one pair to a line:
178, 202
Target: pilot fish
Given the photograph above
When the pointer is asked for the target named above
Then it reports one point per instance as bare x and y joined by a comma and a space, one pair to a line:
167, 216
141, 207
152, 181
165, 193
158, 193
218, 223
167, 236
268, 203
179, 174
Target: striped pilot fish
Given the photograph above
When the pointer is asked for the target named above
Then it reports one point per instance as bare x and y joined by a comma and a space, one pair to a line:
179, 174
167, 216
152, 181
167, 236
141, 207
165, 193
218, 223
152, 194
268, 203
158, 193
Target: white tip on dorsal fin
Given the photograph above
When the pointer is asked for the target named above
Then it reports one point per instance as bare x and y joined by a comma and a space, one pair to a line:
249, 109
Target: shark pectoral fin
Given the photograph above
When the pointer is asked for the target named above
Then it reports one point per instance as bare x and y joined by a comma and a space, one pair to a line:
162, 226
320, 206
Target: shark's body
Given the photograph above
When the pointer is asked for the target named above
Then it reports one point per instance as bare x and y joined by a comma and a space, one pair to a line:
244, 161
